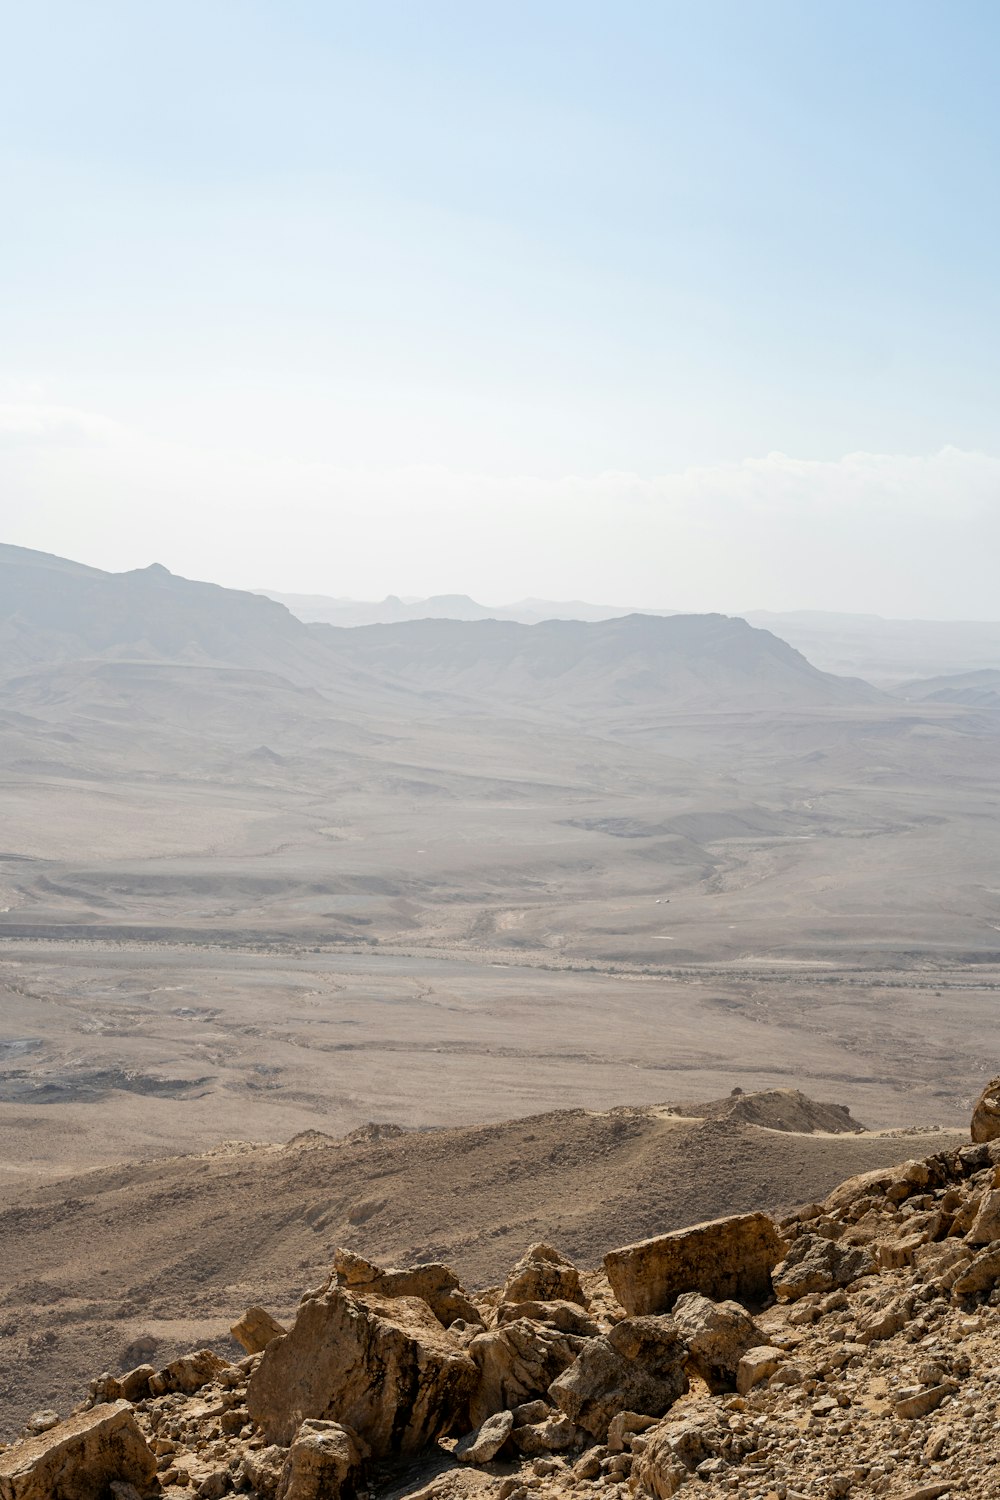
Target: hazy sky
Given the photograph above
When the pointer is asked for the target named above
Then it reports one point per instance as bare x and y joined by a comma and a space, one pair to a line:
690, 305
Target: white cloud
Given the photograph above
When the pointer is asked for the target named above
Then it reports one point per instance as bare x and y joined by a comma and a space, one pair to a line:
895, 534
36, 424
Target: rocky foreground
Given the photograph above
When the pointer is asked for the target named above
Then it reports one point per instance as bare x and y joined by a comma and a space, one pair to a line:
850, 1349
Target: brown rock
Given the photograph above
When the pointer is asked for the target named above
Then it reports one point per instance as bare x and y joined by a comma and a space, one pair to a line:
756, 1365
256, 1329
382, 1366
78, 1459
517, 1362
189, 1373
135, 1383
323, 1463
638, 1366
568, 1317
986, 1113
484, 1442
980, 1275
436, 1284
922, 1403
543, 1275
717, 1334
986, 1225
553, 1435
815, 1264
729, 1257
676, 1447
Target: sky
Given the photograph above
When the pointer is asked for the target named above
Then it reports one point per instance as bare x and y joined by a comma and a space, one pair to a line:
684, 305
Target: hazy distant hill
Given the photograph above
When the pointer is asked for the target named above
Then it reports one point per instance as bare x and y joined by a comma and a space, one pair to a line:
682, 661
886, 652
322, 609
57, 612
966, 689
54, 610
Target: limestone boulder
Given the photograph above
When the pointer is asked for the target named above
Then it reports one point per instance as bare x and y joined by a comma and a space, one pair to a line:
980, 1275
638, 1366
543, 1275
985, 1227
717, 1334
758, 1364
986, 1113
484, 1443
323, 1463
189, 1373
516, 1363
724, 1258
437, 1284
816, 1264
80, 1458
568, 1317
384, 1367
255, 1330
675, 1447
554, 1434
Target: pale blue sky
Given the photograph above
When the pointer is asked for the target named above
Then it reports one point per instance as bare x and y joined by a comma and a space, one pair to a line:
509, 298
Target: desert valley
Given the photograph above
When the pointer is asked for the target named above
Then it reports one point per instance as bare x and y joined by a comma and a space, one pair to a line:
433, 938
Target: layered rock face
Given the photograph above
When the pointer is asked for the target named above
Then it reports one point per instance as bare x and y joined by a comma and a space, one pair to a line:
852, 1350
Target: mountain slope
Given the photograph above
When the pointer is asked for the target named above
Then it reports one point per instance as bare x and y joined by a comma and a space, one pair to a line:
686, 662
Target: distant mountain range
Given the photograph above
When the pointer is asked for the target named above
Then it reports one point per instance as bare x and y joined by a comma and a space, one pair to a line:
53, 612
886, 652
320, 609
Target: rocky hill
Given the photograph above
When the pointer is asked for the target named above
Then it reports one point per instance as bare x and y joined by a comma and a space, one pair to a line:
835, 1349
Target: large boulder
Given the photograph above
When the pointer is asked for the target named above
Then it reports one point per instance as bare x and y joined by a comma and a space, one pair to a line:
986, 1113
517, 1362
638, 1366
79, 1459
256, 1329
816, 1264
189, 1373
717, 1334
675, 1447
323, 1463
543, 1275
730, 1257
384, 1367
436, 1284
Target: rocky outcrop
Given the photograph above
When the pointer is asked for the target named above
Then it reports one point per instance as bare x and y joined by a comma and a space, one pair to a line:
717, 1335
543, 1275
723, 1258
323, 1463
80, 1458
637, 1366
986, 1113
436, 1284
815, 1264
382, 1366
516, 1363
